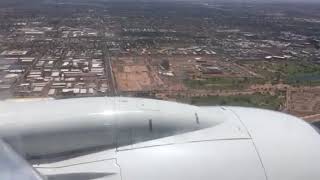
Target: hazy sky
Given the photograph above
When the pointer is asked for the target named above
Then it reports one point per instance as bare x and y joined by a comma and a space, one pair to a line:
217, 0
259, 0
243, 0
266, 1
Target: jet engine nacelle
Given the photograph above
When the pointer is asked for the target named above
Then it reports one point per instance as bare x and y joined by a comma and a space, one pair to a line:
130, 138
53, 128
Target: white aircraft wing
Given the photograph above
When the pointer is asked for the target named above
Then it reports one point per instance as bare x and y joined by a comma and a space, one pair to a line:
13, 166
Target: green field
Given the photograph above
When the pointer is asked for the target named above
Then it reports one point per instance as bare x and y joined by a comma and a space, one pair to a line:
294, 73
255, 100
222, 83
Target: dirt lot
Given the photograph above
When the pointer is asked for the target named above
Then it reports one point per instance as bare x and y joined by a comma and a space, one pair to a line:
133, 78
135, 74
304, 101
146, 73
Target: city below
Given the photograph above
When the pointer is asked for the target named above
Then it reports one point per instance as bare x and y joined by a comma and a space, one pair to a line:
263, 55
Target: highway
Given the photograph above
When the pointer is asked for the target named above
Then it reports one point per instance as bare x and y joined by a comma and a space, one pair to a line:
108, 71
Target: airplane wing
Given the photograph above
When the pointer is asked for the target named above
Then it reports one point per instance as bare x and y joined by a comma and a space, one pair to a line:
13, 166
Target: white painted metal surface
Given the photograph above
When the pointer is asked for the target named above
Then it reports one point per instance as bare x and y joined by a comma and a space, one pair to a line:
288, 147
133, 138
207, 160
